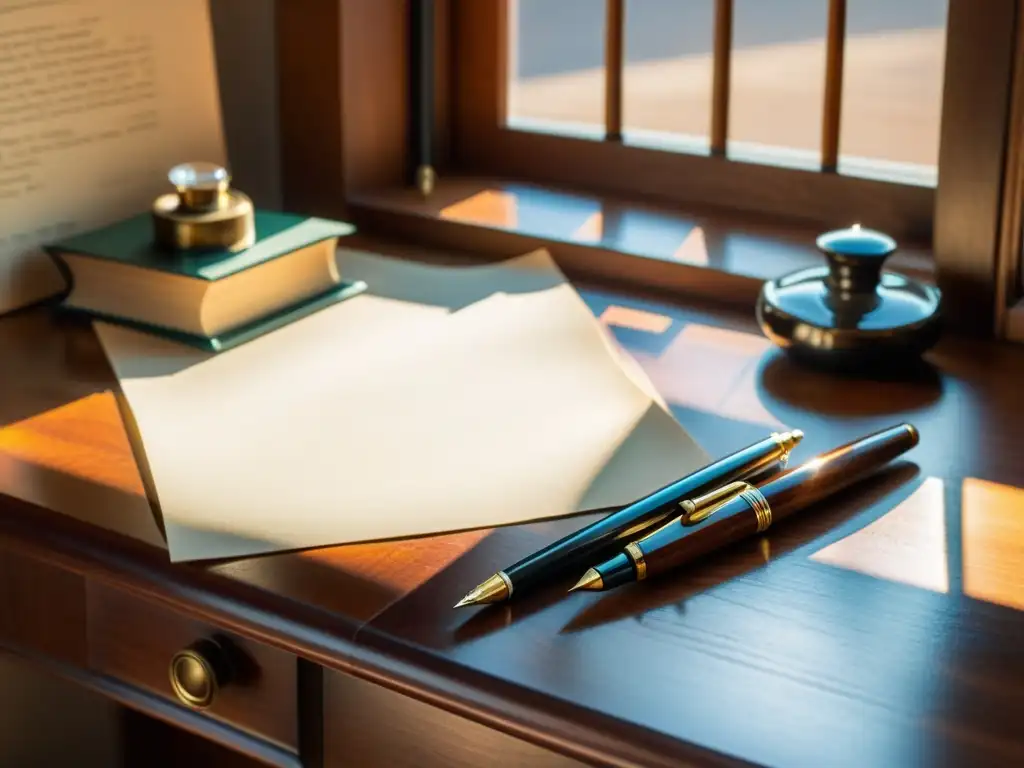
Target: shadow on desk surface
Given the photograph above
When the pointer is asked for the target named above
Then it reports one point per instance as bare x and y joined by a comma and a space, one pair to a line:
46, 365
869, 632
743, 656
882, 629
790, 390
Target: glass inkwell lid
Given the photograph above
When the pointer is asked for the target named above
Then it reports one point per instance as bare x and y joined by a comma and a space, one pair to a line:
203, 213
851, 313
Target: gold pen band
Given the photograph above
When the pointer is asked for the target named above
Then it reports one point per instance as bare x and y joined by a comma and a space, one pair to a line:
508, 582
757, 502
700, 509
637, 556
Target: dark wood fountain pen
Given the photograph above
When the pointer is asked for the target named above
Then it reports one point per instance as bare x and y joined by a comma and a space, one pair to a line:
738, 510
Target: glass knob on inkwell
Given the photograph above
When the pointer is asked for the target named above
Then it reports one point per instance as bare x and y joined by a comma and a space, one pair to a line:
203, 213
851, 314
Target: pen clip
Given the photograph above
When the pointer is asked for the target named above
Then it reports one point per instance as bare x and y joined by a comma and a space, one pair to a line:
701, 508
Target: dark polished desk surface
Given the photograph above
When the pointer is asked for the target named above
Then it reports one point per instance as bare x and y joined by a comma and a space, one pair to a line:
884, 628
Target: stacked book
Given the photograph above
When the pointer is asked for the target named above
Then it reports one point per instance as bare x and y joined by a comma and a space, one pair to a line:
213, 300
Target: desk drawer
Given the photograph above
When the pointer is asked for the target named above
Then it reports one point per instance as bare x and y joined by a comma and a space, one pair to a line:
134, 640
366, 725
42, 609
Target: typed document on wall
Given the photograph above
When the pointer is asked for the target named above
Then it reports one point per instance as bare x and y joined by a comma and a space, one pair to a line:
98, 100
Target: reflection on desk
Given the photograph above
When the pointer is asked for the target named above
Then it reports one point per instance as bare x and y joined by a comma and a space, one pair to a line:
880, 630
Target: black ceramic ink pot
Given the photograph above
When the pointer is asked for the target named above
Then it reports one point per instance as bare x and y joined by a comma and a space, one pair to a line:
849, 313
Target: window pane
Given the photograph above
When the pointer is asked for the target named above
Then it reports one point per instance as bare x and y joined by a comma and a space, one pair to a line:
667, 78
892, 85
778, 81
556, 67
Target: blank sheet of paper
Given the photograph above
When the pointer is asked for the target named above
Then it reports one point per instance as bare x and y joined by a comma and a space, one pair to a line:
389, 416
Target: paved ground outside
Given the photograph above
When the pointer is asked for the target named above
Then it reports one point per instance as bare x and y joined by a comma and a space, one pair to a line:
892, 86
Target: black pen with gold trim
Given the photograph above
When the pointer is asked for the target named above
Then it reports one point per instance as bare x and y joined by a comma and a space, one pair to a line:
597, 540
730, 513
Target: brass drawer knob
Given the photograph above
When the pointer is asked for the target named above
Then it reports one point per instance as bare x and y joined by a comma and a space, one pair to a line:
198, 672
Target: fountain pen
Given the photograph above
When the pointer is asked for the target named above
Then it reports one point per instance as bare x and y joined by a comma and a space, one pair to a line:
740, 510
597, 540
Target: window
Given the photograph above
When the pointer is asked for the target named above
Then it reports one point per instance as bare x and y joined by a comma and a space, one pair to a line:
828, 111
773, 77
759, 110
891, 114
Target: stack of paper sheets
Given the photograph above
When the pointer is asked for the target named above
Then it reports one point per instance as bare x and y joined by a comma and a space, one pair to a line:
445, 398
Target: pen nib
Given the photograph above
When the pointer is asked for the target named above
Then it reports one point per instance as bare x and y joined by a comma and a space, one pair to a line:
591, 580
494, 590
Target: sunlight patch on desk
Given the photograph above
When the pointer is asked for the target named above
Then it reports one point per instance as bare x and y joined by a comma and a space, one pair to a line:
591, 231
492, 208
725, 382
528, 210
635, 319
573, 218
652, 234
992, 530
401, 565
693, 250
54, 440
906, 545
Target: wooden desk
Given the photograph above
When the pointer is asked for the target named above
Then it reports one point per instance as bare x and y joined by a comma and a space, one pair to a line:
884, 629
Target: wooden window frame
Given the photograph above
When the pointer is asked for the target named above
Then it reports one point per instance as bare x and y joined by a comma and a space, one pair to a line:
489, 146
344, 124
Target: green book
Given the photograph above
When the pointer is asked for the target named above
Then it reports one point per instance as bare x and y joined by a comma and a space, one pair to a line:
214, 300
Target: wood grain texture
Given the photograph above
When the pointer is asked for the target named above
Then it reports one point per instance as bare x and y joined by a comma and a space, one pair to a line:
133, 640
180, 722
980, 52
344, 99
374, 53
889, 619
151, 743
647, 247
1008, 265
822, 200
311, 118
49, 721
479, 89
370, 725
42, 608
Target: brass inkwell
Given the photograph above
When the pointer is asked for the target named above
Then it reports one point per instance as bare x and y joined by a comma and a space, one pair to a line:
203, 213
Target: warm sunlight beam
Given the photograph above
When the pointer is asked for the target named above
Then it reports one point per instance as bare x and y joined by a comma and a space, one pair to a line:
592, 230
635, 319
693, 250
725, 382
907, 544
399, 565
992, 520
83, 438
492, 208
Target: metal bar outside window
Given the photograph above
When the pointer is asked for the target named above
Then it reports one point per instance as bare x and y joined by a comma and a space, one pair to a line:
614, 63
834, 54
720, 83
